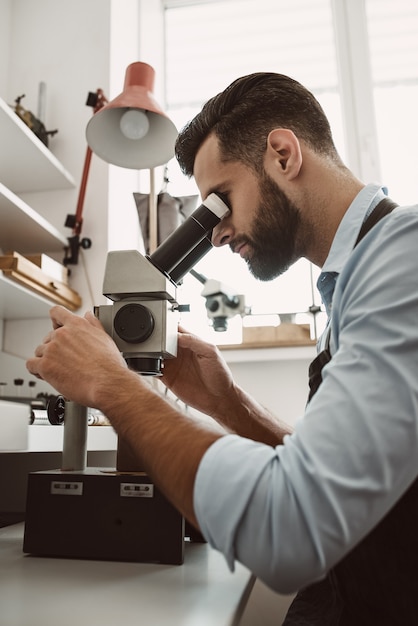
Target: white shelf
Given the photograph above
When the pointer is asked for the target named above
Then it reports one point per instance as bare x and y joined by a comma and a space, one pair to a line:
17, 302
23, 229
38, 169
26, 164
257, 355
46, 438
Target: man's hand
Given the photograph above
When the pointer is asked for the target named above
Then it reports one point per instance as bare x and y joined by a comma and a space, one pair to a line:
198, 376
77, 358
83, 363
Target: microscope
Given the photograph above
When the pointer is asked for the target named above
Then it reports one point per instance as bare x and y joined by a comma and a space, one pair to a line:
221, 301
118, 514
143, 318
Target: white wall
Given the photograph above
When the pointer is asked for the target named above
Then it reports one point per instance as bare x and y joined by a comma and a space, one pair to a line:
280, 386
67, 46
5, 27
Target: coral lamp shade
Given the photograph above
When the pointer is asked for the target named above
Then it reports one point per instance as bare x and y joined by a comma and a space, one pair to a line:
132, 130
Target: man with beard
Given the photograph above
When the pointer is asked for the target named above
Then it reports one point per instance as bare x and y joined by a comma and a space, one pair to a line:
331, 509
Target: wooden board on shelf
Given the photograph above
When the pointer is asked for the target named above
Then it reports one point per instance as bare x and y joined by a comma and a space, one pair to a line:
56, 270
19, 269
273, 337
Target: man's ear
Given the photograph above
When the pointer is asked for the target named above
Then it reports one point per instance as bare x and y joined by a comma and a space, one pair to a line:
283, 149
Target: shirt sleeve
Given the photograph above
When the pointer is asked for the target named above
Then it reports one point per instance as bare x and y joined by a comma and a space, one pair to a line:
292, 512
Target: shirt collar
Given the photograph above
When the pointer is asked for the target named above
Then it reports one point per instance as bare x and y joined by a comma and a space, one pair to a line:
345, 239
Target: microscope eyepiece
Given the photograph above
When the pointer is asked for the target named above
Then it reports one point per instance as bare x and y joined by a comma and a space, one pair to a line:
183, 241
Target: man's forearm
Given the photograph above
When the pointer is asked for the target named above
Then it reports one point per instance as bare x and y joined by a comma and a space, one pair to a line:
169, 443
243, 415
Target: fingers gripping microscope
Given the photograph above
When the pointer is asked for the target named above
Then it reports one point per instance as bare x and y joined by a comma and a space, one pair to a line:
93, 513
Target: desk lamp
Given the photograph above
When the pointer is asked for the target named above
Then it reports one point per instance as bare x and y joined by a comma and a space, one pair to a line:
133, 131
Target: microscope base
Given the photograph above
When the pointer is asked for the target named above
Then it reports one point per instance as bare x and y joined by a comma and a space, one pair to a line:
101, 514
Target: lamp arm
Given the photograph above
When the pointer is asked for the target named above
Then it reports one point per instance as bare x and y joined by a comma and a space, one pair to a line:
78, 221
97, 101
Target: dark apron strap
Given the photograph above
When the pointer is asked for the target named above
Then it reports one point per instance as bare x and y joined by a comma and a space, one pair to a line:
384, 207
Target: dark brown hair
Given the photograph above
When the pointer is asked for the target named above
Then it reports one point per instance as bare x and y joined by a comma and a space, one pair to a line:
245, 112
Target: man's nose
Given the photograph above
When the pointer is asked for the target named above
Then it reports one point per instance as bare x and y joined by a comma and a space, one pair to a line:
221, 234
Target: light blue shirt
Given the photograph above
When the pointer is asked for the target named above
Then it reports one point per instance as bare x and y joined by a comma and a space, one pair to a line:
292, 512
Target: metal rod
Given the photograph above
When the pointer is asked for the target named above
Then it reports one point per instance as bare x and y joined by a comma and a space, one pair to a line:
74, 454
152, 214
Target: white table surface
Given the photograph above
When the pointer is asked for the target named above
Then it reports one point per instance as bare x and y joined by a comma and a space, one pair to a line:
36, 591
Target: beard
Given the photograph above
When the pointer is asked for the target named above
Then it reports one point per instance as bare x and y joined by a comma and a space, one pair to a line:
274, 233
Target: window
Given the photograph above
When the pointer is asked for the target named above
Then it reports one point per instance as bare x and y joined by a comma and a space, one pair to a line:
210, 43
393, 41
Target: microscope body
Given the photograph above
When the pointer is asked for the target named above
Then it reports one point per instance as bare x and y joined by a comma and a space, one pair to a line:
143, 318
222, 303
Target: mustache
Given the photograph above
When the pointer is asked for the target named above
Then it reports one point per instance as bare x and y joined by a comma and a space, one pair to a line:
238, 242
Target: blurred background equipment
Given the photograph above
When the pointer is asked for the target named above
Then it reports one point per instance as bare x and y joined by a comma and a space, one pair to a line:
222, 302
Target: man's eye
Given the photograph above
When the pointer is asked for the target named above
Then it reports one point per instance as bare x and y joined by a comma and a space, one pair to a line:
224, 197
